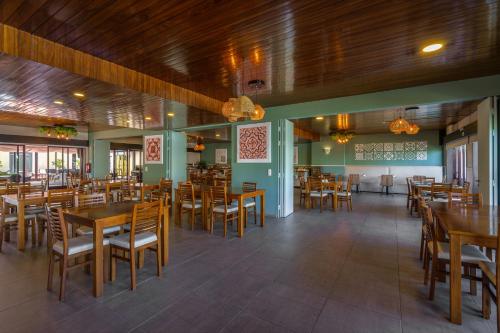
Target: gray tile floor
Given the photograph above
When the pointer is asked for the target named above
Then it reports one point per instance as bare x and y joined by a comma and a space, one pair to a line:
311, 272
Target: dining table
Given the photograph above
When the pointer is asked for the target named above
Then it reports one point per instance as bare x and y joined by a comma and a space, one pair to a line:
101, 217
20, 202
235, 193
473, 226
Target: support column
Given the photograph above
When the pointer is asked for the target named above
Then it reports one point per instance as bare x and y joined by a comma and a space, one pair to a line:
487, 132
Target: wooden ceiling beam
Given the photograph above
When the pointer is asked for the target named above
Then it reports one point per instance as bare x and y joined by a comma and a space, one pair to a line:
306, 135
21, 44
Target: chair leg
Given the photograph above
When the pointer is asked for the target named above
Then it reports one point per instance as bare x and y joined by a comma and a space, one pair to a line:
132, 270
33, 232
64, 265
245, 213
40, 233
158, 259
426, 268
112, 270
433, 280
255, 214
106, 263
422, 244
486, 299
472, 281
1, 237
50, 278
192, 219
225, 225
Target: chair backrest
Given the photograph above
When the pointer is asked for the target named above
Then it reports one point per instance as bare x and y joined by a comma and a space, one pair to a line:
91, 200
354, 177
348, 186
429, 227
418, 178
339, 178
56, 225
12, 188
148, 192
440, 189
61, 198
186, 192
466, 187
463, 199
146, 216
429, 180
386, 180
249, 187
218, 195
409, 184
315, 184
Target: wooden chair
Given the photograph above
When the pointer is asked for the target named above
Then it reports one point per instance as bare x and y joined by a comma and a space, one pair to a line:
144, 234
439, 253
345, 196
440, 191
491, 286
419, 178
355, 180
424, 236
166, 186
65, 250
129, 191
92, 201
188, 202
316, 191
303, 191
466, 187
114, 192
149, 193
219, 205
409, 197
466, 200
63, 198
250, 203
386, 181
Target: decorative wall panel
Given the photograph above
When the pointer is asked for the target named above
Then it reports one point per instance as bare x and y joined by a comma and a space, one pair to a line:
391, 151
254, 143
153, 145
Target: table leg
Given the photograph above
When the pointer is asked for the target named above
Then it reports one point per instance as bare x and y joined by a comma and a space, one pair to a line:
262, 209
240, 217
164, 235
98, 260
4, 212
20, 226
455, 279
204, 210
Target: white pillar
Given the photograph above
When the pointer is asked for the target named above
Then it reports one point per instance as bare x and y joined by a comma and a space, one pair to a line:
487, 120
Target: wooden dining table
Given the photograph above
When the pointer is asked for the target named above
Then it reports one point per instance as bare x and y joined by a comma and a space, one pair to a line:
474, 226
20, 202
110, 215
235, 194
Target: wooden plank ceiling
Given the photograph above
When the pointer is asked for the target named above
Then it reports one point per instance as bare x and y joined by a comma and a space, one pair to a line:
428, 117
202, 52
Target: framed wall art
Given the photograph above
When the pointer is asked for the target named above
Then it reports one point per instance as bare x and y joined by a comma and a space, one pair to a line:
254, 143
153, 149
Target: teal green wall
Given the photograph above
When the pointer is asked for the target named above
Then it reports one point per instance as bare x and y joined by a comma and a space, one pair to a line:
304, 153
100, 157
208, 155
257, 172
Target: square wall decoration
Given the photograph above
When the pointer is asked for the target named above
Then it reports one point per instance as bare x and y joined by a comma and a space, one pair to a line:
153, 152
391, 151
254, 143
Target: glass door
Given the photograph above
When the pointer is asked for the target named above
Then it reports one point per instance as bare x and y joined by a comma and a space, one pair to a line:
55, 166
11, 162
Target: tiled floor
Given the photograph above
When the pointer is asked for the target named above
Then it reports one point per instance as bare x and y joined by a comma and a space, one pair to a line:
311, 272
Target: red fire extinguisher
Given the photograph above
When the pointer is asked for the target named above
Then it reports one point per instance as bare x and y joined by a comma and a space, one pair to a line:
88, 167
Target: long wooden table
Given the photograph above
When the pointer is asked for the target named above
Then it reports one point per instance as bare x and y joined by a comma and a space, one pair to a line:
20, 202
474, 226
108, 216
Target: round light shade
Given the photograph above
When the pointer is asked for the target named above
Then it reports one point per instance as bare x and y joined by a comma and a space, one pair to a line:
228, 107
398, 126
244, 107
258, 113
413, 129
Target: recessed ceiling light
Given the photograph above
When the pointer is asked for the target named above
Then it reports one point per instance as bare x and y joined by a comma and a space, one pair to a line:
128, 121
148, 118
432, 47
319, 118
217, 135
78, 94
58, 102
170, 114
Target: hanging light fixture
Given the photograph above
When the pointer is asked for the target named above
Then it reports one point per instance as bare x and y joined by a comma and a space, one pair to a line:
199, 144
59, 131
342, 135
401, 125
413, 129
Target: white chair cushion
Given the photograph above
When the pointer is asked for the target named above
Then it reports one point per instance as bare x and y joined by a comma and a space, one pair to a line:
230, 209
440, 200
10, 218
141, 239
328, 191
318, 194
470, 254
77, 245
85, 231
189, 205
344, 194
249, 204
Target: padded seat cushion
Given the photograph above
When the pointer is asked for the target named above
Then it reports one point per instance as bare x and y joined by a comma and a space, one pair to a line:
141, 239
344, 194
84, 230
249, 204
77, 245
189, 205
318, 194
230, 209
470, 254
